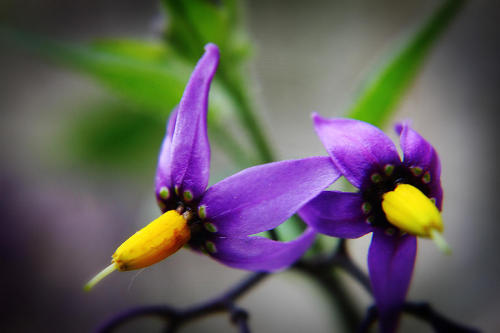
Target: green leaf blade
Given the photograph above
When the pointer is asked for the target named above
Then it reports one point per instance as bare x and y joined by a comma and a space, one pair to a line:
380, 95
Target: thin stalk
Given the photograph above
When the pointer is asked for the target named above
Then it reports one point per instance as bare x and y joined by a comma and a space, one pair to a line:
226, 141
176, 317
247, 117
338, 296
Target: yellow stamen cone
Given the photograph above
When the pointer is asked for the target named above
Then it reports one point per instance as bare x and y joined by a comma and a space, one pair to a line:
153, 243
407, 208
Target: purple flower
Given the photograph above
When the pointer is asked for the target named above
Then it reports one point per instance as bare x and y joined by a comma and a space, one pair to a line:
397, 201
223, 218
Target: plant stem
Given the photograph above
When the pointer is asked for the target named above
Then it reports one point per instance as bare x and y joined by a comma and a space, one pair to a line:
338, 296
237, 89
176, 317
227, 143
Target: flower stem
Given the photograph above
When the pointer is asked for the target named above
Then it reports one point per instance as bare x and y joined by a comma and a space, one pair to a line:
226, 141
177, 317
237, 89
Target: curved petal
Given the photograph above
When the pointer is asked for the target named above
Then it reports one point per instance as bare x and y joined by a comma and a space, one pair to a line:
337, 214
262, 197
163, 170
357, 148
390, 261
418, 152
260, 254
190, 152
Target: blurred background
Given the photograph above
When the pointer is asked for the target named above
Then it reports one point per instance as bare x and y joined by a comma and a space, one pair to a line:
70, 194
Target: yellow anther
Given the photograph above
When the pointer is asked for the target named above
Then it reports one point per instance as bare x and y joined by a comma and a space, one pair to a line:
153, 243
410, 210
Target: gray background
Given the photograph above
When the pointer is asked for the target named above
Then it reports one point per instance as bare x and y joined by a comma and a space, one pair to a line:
60, 223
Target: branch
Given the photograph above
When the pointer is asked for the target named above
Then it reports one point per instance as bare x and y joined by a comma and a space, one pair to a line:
320, 268
239, 317
423, 311
370, 318
341, 258
177, 317
440, 323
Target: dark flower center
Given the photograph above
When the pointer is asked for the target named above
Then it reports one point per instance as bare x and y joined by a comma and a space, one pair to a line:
197, 225
382, 181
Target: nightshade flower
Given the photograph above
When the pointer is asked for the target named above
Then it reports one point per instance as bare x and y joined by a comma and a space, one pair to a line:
220, 221
397, 201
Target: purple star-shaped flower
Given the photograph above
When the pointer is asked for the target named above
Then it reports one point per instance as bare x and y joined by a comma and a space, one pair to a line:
369, 160
221, 220
223, 217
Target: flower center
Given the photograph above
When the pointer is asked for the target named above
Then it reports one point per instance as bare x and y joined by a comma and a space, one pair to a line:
397, 199
386, 180
411, 211
184, 203
407, 208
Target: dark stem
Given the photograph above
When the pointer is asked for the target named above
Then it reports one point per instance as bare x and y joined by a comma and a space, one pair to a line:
341, 259
176, 317
338, 296
370, 319
423, 311
164, 311
441, 324
321, 269
240, 318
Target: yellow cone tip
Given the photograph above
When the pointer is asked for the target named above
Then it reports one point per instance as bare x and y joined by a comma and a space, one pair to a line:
407, 208
101, 275
440, 242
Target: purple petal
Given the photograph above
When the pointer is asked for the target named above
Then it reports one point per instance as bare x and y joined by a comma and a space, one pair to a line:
390, 261
262, 197
337, 214
357, 148
260, 254
418, 152
163, 173
190, 160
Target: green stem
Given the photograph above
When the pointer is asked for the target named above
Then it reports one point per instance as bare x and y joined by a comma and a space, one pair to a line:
245, 113
228, 143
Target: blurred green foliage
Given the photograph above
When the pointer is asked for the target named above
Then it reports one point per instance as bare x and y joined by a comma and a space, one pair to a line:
113, 133
380, 95
194, 23
148, 77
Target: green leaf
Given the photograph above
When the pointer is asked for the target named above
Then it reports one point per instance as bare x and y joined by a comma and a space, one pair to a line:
194, 23
116, 135
149, 78
113, 135
380, 95
134, 48
146, 75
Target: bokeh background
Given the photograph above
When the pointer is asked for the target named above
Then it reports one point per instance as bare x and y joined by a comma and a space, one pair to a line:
62, 218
